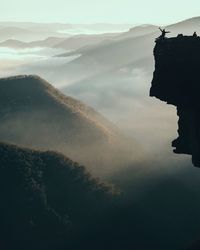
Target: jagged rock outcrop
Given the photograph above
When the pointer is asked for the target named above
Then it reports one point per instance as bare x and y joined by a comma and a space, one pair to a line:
176, 80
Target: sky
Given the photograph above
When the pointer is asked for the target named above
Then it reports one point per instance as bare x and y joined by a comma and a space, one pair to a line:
99, 11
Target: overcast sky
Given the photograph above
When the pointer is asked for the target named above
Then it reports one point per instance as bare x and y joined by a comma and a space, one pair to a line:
99, 11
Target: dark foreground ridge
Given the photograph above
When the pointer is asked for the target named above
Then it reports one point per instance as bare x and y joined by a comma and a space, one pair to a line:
176, 80
47, 200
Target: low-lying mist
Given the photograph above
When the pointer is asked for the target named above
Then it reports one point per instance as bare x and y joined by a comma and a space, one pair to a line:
120, 94
159, 189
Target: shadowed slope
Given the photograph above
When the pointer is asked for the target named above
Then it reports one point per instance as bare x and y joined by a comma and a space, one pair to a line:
41, 195
35, 114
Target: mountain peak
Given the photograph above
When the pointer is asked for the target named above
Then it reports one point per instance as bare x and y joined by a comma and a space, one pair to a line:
35, 114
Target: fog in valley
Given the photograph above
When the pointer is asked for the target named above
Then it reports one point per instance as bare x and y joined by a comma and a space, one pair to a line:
112, 74
108, 68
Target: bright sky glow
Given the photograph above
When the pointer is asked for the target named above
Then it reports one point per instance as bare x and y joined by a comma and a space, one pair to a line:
99, 11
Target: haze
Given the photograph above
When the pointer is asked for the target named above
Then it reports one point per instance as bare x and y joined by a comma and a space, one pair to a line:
98, 113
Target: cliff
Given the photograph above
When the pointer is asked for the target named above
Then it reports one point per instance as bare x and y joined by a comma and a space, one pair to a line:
176, 80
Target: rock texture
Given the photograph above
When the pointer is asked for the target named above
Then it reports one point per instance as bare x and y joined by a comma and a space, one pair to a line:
176, 80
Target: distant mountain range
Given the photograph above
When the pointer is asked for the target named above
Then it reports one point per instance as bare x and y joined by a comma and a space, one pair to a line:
26, 31
26, 35
127, 48
15, 44
72, 43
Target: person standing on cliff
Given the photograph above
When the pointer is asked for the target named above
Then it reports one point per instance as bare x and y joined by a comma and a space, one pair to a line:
164, 32
195, 34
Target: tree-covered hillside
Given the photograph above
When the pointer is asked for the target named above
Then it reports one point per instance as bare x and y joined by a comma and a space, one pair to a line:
47, 200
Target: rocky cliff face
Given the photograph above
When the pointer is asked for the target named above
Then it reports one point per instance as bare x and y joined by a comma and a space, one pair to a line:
176, 80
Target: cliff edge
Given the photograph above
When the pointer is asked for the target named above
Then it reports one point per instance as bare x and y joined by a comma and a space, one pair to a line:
176, 80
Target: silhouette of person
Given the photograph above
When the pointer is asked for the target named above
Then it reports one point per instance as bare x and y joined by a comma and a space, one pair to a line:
195, 34
164, 32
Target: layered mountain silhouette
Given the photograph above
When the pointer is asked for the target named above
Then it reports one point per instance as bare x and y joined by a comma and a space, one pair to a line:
47, 200
98, 41
83, 41
26, 34
12, 31
28, 31
16, 44
71, 43
35, 114
137, 44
